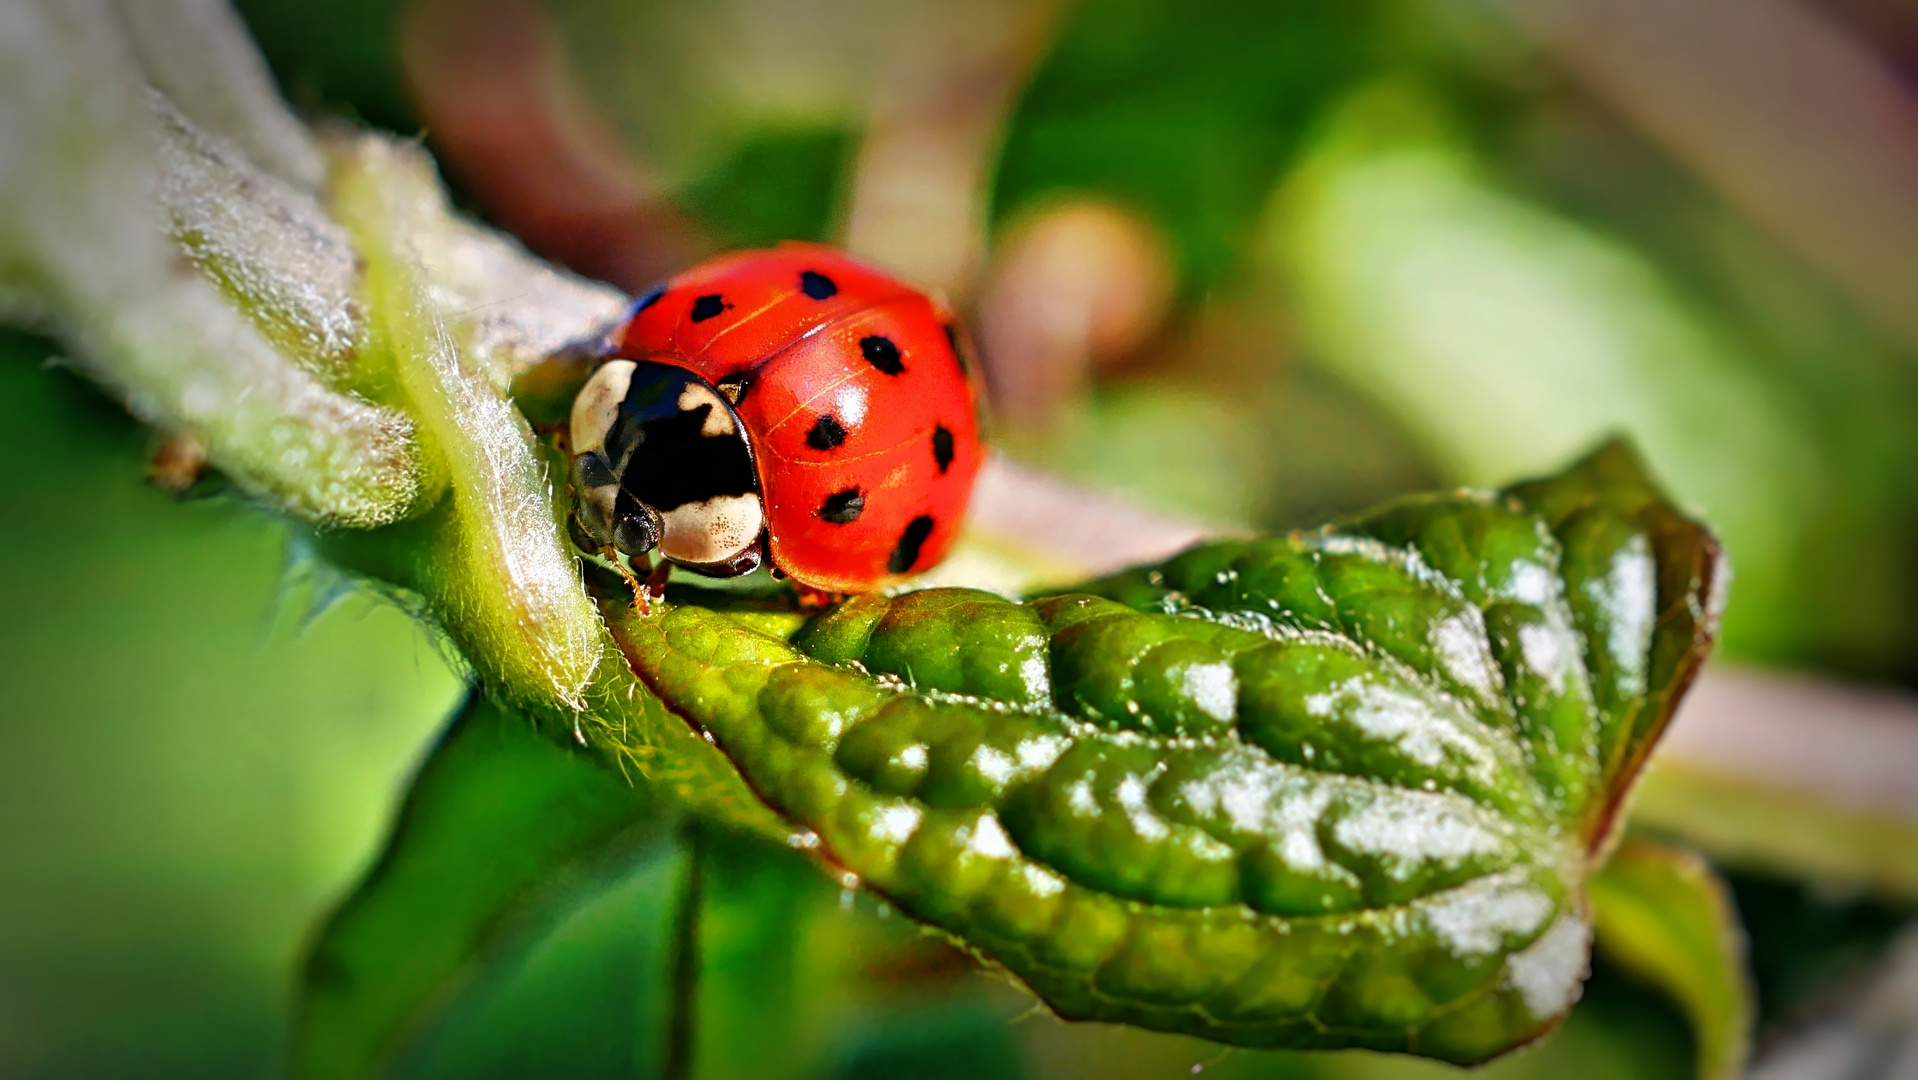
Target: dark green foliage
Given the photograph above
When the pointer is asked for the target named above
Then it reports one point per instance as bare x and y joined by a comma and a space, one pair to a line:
778, 185
1187, 111
500, 830
332, 56
1332, 789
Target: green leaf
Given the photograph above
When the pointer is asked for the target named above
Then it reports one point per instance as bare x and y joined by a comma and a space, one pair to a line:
1338, 789
502, 829
1187, 111
1420, 278
1747, 824
1662, 915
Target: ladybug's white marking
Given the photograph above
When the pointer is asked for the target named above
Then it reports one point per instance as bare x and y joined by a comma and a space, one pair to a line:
597, 405
712, 531
719, 419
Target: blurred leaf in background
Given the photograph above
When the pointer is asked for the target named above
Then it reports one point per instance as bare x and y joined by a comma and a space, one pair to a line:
1187, 111
502, 831
192, 769
1663, 916
336, 57
1501, 334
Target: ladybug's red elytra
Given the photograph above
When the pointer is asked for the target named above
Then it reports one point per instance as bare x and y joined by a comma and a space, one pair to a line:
785, 405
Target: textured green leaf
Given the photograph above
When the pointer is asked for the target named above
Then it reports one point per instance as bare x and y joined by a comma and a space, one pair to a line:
1664, 916
502, 828
1337, 789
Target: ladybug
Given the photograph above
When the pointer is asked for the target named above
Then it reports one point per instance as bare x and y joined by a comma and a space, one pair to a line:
786, 406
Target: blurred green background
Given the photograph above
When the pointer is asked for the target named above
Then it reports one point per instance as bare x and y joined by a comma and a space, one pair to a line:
1254, 263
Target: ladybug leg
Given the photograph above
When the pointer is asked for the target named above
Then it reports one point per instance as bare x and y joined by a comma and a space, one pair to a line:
611, 555
178, 464
636, 534
811, 599
561, 433
656, 580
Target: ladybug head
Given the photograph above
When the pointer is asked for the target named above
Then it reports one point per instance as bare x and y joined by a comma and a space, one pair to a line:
660, 460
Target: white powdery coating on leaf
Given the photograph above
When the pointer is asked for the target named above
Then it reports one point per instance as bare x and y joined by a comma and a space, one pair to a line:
1549, 973
1413, 725
1261, 801
1043, 882
1414, 829
1081, 798
896, 822
1038, 753
991, 841
1462, 646
1531, 584
994, 765
1297, 819
1213, 689
1246, 792
1628, 595
1132, 799
1546, 652
1475, 919
1034, 677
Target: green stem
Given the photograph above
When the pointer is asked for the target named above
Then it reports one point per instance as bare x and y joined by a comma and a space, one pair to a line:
682, 1022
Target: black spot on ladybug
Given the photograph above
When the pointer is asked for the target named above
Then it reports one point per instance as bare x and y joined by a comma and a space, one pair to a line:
881, 353
959, 354
844, 507
942, 447
817, 285
826, 433
907, 551
708, 306
649, 299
